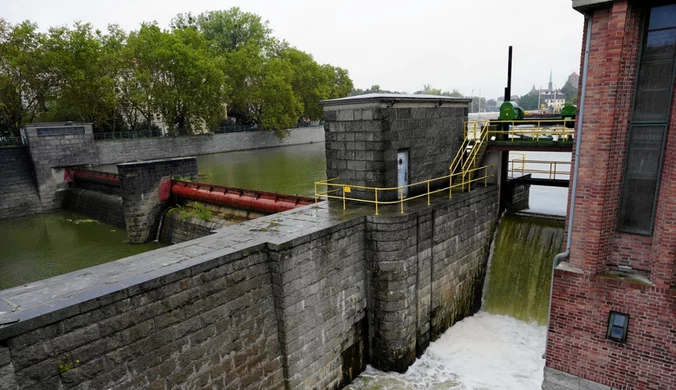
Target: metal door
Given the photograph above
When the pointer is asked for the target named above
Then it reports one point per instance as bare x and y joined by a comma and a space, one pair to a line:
402, 172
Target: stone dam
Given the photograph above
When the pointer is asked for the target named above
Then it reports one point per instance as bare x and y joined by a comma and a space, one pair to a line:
302, 299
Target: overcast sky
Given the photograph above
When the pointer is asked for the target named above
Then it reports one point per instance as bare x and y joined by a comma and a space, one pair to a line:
399, 45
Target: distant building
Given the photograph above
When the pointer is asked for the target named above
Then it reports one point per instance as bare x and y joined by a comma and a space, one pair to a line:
551, 98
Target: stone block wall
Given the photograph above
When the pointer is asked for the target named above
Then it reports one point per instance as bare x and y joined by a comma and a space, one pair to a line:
140, 183
319, 285
302, 299
113, 152
18, 193
98, 205
176, 229
53, 147
364, 135
426, 273
210, 325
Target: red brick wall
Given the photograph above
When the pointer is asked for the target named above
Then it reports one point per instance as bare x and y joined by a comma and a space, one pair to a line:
581, 302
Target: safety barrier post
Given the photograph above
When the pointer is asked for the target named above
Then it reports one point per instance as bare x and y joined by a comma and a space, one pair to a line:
428, 192
523, 165
376, 201
343, 198
554, 170
401, 197
486, 177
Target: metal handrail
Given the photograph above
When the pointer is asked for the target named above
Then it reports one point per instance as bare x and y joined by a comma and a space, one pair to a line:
333, 187
552, 171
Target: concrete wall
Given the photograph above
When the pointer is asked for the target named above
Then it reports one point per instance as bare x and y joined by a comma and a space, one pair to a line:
302, 299
113, 152
101, 206
18, 193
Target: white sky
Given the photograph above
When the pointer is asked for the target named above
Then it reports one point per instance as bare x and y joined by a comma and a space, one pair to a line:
399, 45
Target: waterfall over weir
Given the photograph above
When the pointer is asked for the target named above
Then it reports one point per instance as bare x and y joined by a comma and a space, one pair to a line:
500, 347
520, 267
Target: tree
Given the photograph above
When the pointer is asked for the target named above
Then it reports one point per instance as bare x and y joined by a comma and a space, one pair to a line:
26, 79
529, 101
263, 91
175, 75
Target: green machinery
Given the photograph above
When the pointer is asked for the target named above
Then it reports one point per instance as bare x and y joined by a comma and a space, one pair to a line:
510, 111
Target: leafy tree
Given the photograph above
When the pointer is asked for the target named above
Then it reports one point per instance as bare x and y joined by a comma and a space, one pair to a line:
529, 101
85, 67
339, 81
25, 77
176, 76
264, 94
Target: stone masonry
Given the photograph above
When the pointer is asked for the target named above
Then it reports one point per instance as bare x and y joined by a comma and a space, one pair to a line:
99, 205
364, 134
299, 300
56, 146
18, 194
140, 183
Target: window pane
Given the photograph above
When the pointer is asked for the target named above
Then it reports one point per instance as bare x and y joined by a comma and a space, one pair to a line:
618, 320
660, 45
616, 333
636, 211
644, 152
663, 17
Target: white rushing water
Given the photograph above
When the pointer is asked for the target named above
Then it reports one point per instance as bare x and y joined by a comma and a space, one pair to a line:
485, 351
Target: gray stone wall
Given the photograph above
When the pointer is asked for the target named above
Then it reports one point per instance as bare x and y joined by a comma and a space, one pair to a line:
140, 183
210, 325
113, 152
301, 299
52, 151
176, 229
18, 193
426, 273
101, 206
362, 144
319, 285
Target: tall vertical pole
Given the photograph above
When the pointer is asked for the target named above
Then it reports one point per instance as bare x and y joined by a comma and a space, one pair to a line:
504, 158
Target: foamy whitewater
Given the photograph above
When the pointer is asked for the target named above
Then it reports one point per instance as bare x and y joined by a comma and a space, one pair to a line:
485, 351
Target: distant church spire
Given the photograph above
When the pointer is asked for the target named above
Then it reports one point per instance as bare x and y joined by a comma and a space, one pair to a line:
551, 85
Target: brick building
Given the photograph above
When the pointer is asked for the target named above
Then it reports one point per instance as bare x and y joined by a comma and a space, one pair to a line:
613, 318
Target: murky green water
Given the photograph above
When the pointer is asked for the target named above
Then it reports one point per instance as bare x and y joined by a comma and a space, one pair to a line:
287, 170
41, 246
46, 245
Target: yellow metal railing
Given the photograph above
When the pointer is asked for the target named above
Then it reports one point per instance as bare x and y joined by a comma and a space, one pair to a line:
540, 167
330, 189
558, 129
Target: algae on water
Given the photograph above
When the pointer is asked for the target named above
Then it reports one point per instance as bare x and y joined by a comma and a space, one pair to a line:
520, 268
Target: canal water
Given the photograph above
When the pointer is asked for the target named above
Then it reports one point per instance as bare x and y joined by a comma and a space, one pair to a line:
41, 246
45, 245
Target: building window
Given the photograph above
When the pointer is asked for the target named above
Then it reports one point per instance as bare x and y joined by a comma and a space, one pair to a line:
618, 326
649, 123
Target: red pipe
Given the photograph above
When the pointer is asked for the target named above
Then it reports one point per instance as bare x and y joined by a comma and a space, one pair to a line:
110, 179
266, 202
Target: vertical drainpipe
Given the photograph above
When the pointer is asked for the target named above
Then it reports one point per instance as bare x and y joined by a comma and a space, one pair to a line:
578, 143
